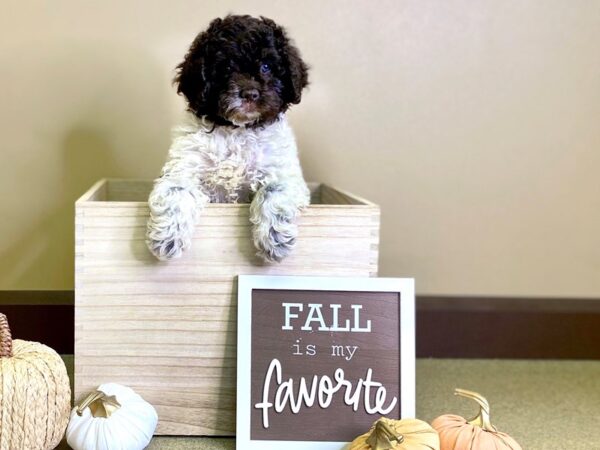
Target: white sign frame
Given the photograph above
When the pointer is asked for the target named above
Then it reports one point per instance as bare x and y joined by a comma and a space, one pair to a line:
246, 283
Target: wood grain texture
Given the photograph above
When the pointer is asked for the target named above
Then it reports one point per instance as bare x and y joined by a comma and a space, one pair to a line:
168, 330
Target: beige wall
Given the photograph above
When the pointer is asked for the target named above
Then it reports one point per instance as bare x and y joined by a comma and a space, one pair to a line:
475, 125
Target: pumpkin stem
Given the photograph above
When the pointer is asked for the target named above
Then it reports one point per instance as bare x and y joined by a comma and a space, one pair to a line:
384, 437
482, 419
5, 338
100, 404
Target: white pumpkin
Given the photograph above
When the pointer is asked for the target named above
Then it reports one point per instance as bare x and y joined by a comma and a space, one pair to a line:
113, 417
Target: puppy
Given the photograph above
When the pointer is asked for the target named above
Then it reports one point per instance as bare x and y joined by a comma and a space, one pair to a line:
239, 77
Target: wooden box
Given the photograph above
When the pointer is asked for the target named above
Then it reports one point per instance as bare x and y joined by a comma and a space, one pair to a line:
168, 329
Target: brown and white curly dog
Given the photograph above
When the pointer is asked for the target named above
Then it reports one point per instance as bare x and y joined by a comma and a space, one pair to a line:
239, 77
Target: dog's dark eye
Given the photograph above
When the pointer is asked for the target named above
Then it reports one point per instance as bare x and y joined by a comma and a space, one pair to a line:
265, 68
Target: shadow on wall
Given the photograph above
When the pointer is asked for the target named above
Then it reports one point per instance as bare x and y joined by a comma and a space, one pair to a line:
90, 127
45, 252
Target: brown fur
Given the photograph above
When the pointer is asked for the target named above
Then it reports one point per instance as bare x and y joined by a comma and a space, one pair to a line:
241, 70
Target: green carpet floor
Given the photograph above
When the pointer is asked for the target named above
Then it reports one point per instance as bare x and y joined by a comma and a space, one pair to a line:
544, 405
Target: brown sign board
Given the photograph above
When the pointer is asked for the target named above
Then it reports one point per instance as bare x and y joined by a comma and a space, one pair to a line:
320, 359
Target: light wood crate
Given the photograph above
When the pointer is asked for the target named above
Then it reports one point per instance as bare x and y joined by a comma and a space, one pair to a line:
168, 329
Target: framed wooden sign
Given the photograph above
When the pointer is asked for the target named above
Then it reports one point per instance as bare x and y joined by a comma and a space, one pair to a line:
320, 359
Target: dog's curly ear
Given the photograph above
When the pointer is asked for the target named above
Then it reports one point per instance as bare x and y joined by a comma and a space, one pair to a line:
190, 78
296, 70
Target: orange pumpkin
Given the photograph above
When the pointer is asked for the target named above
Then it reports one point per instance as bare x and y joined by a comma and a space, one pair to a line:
457, 433
406, 434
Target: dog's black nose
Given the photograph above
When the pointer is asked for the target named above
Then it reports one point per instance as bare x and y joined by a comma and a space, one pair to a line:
250, 94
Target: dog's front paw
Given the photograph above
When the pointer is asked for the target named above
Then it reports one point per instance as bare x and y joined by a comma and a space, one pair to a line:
273, 214
164, 241
174, 207
276, 240
167, 249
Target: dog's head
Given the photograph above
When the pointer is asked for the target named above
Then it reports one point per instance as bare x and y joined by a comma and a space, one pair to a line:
242, 71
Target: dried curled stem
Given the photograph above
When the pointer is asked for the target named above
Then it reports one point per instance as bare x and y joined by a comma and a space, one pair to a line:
384, 437
5, 338
483, 418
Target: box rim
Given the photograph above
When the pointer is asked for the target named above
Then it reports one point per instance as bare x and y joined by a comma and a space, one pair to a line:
86, 198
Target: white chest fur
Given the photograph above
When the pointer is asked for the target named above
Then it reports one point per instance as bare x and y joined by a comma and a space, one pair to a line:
234, 162
229, 165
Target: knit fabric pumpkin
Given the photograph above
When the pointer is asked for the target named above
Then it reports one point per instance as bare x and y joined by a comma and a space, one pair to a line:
458, 433
35, 394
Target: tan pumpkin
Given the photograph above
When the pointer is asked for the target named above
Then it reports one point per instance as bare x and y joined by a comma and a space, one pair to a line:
406, 434
457, 433
35, 395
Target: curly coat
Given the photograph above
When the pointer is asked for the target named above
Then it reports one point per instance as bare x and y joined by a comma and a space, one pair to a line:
231, 46
239, 77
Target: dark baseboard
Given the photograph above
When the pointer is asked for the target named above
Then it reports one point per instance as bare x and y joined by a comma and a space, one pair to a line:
447, 327
522, 328
49, 324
